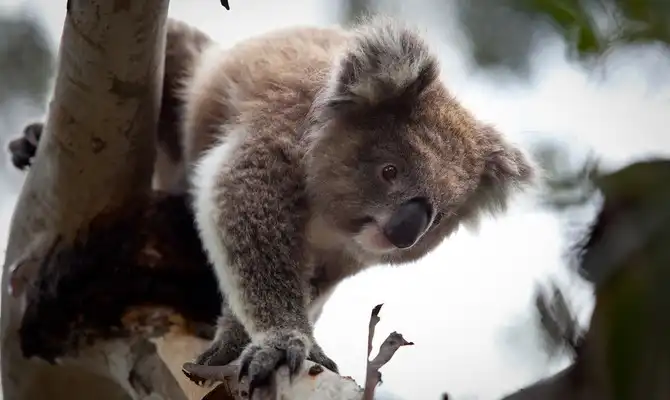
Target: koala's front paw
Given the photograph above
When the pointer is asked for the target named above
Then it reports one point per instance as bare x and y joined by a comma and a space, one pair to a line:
229, 341
221, 351
24, 148
259, 361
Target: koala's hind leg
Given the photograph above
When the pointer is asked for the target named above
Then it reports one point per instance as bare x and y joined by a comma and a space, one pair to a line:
183, 47
23, 148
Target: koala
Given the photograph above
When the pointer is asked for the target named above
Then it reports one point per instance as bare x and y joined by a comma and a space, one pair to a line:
23, 149
310, 154
315, 153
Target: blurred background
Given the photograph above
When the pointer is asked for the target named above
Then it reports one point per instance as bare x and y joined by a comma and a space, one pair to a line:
583, 85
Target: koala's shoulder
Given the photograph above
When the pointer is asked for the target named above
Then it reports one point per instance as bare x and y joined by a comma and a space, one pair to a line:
281, 54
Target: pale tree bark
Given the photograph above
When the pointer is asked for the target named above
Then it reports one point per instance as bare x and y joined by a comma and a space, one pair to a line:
95, 157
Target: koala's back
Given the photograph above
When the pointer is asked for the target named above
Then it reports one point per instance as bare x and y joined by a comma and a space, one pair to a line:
266, 81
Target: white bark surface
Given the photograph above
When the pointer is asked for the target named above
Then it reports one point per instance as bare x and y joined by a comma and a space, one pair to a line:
306, 384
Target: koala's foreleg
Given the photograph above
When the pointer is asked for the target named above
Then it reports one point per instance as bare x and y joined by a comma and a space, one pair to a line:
251, 212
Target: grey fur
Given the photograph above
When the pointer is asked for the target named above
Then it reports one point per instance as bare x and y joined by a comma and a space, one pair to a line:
284, 137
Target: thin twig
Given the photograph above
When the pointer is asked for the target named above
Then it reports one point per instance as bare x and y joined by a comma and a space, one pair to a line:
391, 344
374, 319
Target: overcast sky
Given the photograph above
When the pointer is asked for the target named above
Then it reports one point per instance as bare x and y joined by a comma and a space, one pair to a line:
466, 305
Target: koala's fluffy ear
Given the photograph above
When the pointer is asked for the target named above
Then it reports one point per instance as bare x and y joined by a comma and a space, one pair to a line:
385, 64
506, 170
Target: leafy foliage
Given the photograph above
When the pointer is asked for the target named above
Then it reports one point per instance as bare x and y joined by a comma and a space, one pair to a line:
499, 35
566, 183
502, 31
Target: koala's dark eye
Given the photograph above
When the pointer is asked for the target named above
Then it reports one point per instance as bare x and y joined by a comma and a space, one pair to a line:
389, 172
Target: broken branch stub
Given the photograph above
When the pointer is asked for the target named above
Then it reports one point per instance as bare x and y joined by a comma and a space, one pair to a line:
395, 340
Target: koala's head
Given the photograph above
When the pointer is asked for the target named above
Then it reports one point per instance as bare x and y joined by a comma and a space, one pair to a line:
395, 163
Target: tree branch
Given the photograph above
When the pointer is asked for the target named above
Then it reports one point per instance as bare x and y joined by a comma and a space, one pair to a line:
626, 352
311, 382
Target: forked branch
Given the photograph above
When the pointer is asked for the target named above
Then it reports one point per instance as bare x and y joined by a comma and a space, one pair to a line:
391, 344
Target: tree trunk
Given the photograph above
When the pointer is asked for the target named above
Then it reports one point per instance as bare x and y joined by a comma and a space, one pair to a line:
95, 158
626, 352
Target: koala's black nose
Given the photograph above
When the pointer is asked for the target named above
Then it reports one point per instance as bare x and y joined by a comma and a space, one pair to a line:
408, 223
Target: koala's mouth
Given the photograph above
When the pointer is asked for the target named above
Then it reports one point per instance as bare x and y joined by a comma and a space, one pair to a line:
371, 237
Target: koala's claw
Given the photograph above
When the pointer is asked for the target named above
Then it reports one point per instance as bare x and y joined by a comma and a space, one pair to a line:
24, 148
260, 361
219, 353
227, 346
246, 360
318, 356
195, 379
